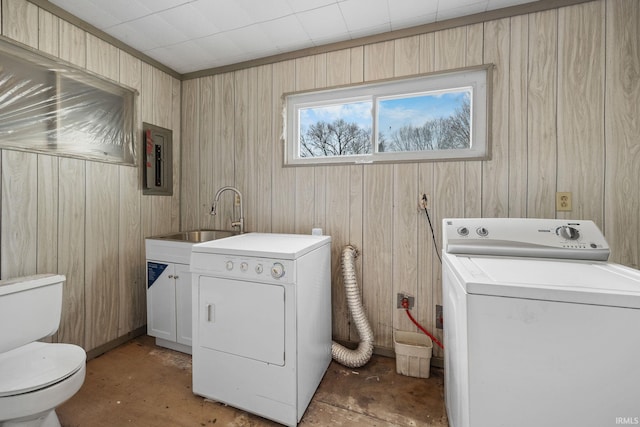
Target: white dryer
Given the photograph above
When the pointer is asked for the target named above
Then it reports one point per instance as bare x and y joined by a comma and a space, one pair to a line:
539, 330
262, 321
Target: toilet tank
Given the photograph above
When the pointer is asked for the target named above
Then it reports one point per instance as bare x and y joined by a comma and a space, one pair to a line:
30, 309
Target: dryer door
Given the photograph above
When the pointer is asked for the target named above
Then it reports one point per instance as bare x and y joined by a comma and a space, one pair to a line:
242, 318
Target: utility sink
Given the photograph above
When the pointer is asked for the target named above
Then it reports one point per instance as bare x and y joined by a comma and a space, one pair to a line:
197, 236
176, 247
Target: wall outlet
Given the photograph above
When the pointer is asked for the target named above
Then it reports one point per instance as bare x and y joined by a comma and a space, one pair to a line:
237, 200
402, 296
563, 201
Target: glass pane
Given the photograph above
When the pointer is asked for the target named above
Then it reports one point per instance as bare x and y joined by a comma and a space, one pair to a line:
428, 121
335, 130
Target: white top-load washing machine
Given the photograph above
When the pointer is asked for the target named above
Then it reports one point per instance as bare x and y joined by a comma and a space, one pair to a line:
262, 321
539, 330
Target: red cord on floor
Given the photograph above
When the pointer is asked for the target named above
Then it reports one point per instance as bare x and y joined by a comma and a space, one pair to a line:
405, 305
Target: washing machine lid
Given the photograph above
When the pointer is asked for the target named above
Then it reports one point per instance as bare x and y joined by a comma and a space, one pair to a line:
38, 365
584, 282
264, 245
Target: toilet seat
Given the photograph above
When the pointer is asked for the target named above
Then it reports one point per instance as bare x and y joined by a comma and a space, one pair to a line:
38, 365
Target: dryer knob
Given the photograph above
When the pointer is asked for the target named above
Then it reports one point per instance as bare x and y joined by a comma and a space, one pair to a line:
569, 233
277, 270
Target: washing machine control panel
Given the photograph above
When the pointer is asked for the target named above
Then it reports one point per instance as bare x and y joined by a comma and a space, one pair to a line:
529, 237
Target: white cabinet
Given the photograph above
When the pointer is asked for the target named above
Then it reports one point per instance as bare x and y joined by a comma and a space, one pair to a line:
169, 302
169, 293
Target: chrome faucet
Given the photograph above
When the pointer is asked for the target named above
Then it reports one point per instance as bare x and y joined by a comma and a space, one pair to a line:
240, 222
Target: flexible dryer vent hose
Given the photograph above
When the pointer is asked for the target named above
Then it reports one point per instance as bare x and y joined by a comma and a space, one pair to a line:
361, 355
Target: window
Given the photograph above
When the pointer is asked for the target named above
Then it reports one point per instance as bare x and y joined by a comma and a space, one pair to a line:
49, 106
436, 116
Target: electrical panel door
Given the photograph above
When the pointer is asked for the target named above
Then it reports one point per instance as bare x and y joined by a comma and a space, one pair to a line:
158, 160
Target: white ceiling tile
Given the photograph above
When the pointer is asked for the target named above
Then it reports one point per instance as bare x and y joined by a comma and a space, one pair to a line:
324, 23
407, 13
369, 31
192, 24
179, 57
133, 35
275, 9
159, 5
399, 24
224, 15
303, 5
217, 45
124, 10
87, 11
363, 14
331, 38
287, 33
153, 32
404, 8
252, 39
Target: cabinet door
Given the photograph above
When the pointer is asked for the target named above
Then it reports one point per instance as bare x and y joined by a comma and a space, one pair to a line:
183, 303
161, 300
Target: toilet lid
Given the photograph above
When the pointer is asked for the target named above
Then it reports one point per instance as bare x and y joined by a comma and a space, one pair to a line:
38, 365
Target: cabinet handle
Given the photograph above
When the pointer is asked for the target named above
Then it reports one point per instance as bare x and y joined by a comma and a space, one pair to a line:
176, 277
210, 312
171, 276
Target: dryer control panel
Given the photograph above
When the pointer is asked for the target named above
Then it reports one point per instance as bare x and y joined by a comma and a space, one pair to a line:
525, 237
257, 269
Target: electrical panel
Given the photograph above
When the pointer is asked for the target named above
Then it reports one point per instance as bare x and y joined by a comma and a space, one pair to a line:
157, 160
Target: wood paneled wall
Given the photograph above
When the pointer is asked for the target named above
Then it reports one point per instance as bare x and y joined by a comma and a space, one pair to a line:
566, 117
566, 97
84, 219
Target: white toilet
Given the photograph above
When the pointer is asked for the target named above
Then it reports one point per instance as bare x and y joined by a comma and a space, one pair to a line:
35, 377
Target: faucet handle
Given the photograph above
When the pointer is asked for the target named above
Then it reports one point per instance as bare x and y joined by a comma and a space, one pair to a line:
239, 223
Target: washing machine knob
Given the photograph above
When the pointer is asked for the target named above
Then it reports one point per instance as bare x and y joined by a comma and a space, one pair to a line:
569, 233
244, 266
277, 270
482, 232
229, 265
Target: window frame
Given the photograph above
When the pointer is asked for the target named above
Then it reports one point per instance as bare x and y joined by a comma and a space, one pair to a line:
478, 78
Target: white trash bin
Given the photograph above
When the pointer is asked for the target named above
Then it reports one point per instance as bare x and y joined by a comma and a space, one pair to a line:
413, 353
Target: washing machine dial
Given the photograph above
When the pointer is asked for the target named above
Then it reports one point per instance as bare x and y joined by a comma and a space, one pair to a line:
569, 233
259, 268
482, 232
244, 266
463, 231
229, 265
277, 270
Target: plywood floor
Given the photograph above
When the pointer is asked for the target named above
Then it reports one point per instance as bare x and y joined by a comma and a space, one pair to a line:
140, 384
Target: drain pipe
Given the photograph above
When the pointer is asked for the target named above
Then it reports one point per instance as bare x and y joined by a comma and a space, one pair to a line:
360, 356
